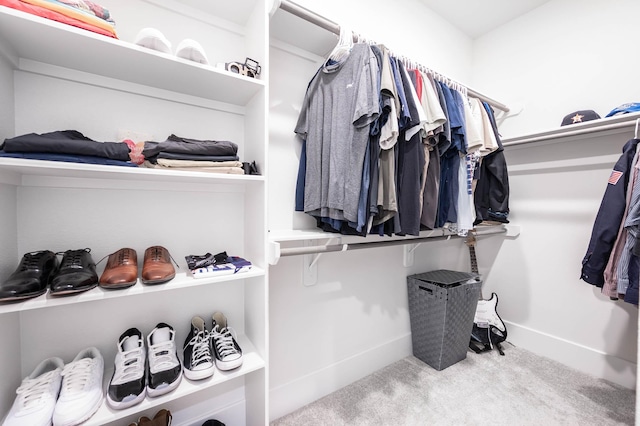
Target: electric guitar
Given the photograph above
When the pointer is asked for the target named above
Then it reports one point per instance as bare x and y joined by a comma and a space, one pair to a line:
488, 327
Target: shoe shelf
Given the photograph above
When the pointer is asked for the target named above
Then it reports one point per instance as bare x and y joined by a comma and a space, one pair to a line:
23, 33
115, 86
181, 281
252, 361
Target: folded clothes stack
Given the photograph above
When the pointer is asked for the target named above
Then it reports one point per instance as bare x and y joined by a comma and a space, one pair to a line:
79, 13
66, 145
209, 265
178, 153
175, 153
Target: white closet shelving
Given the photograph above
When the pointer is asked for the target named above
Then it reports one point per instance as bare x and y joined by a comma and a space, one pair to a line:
590, 144
580, 131
58, 77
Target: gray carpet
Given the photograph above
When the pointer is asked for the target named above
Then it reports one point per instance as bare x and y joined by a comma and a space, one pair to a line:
519, 388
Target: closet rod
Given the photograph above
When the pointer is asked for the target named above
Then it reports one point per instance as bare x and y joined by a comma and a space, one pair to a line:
295, 251
331, 26
307, 15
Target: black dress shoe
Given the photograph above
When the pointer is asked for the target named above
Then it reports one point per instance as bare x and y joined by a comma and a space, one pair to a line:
31, 278
77, 273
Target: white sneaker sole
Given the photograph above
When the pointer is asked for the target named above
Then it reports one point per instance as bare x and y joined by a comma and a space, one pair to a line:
199, 374
126, 403
87, 416
164, 388
228, 365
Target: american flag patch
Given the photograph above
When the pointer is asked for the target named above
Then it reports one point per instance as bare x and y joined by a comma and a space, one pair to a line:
615, 177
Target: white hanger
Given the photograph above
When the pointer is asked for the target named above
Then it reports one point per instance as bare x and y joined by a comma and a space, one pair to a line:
343, 48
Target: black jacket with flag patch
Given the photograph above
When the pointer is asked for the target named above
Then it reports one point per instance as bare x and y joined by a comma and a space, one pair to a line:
609, 217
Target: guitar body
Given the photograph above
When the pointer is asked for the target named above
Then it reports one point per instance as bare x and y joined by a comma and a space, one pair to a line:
488, 328
487, 314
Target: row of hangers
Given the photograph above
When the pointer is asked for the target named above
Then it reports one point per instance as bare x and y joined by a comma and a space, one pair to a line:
345, 43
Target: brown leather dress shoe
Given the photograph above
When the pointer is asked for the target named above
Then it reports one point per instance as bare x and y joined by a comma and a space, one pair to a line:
157, 267
121, 270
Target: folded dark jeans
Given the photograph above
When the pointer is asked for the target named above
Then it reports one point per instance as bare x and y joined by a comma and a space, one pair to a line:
86, 159
69, 142
178, 145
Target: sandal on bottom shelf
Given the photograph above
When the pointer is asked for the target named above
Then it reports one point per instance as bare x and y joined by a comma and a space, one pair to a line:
162, 418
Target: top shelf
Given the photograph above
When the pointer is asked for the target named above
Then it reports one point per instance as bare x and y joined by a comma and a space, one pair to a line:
589, 129
70, 47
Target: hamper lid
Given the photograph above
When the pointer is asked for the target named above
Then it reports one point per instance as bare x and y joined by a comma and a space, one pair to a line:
446, 277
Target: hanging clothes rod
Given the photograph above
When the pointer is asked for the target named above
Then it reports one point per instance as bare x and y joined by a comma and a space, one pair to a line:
307, 15
296, 251
331, 26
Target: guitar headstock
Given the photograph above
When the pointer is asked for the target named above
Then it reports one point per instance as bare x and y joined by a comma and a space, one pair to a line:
470, 239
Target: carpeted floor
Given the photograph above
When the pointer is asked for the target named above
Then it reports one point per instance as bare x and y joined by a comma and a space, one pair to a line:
519, 388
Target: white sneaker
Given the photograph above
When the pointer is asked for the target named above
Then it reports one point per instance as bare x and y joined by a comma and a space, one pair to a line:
81, 393
165, 370
128, 383
37, 395
226, 349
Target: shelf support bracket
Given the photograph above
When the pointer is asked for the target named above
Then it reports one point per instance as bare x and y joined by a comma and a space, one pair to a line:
408, 254
310, 262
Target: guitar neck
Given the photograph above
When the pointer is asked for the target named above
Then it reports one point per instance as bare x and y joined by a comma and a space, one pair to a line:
471, 243
474, 260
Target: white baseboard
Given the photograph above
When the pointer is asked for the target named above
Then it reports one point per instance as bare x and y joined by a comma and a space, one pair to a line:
582, 358
295, 394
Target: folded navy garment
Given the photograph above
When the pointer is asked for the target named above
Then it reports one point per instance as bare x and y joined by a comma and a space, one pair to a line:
70, 142
178, 156
179, 145
87, 159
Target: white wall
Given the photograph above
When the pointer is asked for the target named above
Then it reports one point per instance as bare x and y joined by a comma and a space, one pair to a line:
564, 56
355, 320
8, 234
6, 88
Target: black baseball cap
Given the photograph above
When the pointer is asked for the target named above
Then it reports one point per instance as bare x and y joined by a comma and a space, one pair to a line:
580, 117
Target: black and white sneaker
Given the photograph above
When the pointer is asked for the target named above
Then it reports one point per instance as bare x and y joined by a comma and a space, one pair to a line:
198, 362
164, 368
227, 351
127, 385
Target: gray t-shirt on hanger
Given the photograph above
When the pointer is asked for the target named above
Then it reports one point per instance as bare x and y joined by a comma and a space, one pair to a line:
339, 105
